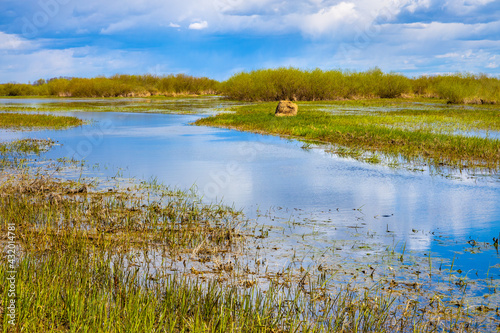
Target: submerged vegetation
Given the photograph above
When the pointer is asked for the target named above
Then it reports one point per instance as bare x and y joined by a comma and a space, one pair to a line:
416, 135
24, 146
275, 84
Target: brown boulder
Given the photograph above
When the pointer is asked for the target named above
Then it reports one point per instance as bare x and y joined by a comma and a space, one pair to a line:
286, 109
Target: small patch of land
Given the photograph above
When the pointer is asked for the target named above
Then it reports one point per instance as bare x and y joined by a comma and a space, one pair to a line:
36, 121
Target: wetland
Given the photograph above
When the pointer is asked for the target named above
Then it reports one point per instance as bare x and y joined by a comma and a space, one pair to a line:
185, 214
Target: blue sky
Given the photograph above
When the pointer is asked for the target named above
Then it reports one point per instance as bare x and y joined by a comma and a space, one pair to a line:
48, 38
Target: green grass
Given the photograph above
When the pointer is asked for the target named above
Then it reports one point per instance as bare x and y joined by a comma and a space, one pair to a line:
414, 135
22, 120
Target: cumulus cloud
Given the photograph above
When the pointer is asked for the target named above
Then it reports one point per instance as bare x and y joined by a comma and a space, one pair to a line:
328, 19
198, 25
10, 42
462, 7
415, 36
80, 61
415, 5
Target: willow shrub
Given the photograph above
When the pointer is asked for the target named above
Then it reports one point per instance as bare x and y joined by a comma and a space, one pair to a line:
115, 86
302, 85
275, 84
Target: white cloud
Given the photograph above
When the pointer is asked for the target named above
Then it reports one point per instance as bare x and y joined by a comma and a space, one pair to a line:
463, 7
119, 26
199, 25
10, 42
80, 61
448, 55
329, 19
373, 33
414, 5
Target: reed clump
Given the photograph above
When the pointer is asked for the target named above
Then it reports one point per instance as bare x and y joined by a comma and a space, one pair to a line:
51, 208
23, 147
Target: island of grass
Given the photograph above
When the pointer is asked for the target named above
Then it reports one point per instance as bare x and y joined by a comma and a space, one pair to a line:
411, 130
36, 121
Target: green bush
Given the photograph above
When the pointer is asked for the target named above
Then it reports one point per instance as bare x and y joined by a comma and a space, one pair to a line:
295, 84
273, 85
115, 86
303, 85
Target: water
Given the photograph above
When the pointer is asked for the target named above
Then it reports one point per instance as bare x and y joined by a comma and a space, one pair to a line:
340, 199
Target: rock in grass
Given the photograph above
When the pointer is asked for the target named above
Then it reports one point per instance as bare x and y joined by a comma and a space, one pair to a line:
286, 109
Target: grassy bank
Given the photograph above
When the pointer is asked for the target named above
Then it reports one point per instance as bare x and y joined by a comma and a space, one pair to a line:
315, 85
36, 121
412, 134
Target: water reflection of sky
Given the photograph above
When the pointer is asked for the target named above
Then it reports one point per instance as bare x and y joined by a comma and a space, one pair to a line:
252, 171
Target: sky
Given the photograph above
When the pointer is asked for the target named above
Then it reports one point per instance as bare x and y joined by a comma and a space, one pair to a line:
218, 38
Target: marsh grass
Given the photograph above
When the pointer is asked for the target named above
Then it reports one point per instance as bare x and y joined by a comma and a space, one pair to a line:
36, 121
24, 147
91, 259
413, 135
175, 105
